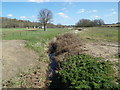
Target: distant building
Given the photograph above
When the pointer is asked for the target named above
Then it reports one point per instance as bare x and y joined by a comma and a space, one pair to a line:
41, 27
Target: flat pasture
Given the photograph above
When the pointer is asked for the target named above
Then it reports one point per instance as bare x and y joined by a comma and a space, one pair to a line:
100, 34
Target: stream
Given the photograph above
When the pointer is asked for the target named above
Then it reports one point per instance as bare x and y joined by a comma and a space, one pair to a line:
52, 66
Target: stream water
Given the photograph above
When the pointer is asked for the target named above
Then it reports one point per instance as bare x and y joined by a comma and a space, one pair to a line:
52, 66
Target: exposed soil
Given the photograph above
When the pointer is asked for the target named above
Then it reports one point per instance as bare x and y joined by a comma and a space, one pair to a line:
106, 50
16, 58
69, 44
21, 66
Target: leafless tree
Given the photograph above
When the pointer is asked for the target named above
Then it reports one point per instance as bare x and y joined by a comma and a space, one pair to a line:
45, 17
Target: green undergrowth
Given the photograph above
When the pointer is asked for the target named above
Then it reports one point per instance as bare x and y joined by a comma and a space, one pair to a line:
84, 71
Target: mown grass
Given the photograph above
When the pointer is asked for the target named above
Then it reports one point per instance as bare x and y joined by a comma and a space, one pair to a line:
100, 34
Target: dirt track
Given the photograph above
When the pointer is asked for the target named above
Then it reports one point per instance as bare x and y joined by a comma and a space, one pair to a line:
16, 58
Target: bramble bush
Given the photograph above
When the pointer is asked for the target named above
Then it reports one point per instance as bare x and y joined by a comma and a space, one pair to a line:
84, 71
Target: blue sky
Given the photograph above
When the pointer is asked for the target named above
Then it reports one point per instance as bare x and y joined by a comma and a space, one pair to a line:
67, 13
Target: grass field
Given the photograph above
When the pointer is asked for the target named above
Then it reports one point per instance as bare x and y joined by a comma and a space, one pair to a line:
37, 39
100, 34
36, 36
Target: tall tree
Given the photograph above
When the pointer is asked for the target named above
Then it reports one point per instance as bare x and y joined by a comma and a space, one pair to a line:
45, 17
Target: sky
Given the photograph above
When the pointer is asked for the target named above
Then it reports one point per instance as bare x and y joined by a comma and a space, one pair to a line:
66, 13
60, 0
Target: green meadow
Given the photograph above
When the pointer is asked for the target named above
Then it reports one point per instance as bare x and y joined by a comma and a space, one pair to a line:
100, 34
33, 36
37, 39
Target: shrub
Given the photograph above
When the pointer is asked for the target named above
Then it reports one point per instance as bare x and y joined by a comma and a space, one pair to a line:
84, 71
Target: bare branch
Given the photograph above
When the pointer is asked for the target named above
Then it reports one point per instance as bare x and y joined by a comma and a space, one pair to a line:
45, 16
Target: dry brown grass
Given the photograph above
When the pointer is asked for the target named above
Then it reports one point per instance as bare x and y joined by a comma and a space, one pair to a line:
64, 45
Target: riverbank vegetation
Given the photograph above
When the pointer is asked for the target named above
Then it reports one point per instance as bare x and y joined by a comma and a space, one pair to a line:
67, 45
84, 71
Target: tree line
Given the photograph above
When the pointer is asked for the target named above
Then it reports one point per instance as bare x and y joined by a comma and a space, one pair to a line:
89, 23
14, 23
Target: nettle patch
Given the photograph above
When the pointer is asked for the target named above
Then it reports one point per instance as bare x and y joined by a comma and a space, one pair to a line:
84, 71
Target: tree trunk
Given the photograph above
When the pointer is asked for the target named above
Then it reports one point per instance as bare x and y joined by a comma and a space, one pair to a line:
44, 27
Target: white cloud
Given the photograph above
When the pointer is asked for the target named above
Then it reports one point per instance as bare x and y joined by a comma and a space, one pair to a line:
9, 15
95, 17
112, 9
39, 0
86, 11
94, 10
32, 16
62, 15
63, 8
23, 17
81, 11
114, 12
0, 13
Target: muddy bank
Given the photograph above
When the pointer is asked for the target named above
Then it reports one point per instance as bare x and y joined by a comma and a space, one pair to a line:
16, 58
22, 67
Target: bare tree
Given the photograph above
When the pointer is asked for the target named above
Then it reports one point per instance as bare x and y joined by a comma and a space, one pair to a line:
45, 17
